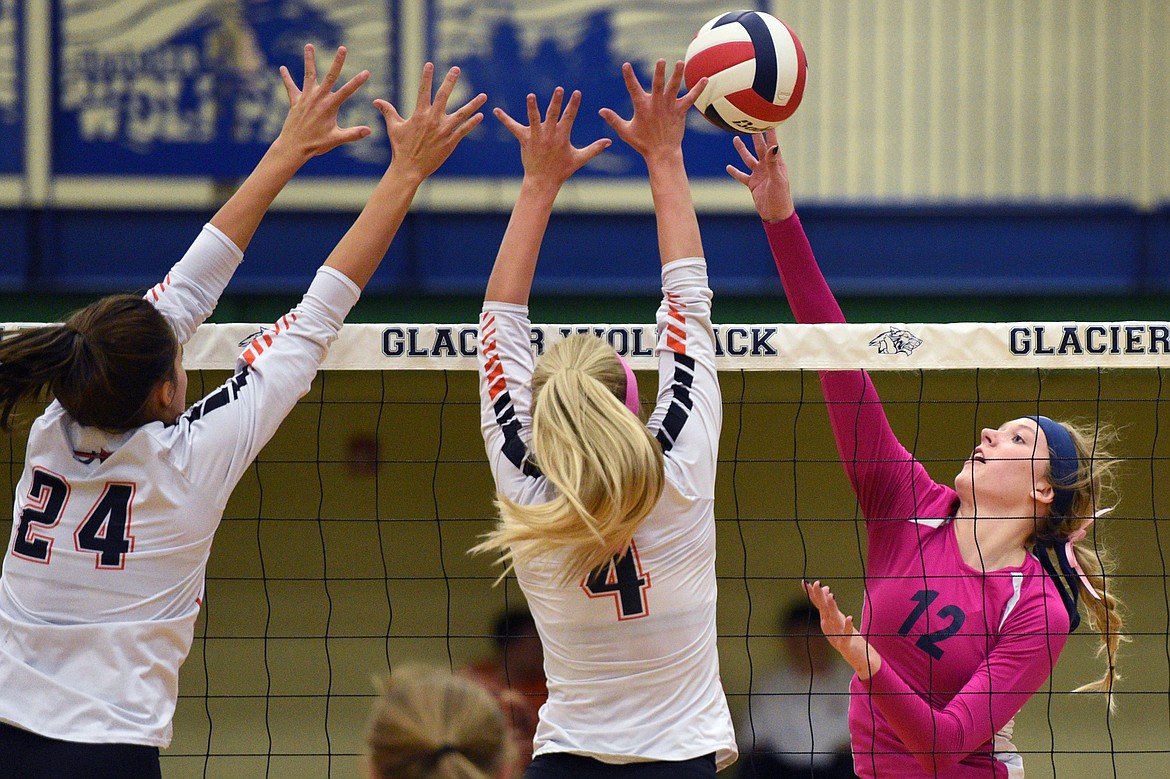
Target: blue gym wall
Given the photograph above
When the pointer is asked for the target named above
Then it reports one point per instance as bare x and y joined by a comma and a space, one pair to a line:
942, 151
1036, 250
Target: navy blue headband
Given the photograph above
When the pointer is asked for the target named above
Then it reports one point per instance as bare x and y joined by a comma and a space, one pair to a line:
1063, 463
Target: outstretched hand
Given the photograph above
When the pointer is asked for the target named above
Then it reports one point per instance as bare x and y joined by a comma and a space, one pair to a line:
767, 176
546, 150
423, 142
840, 632
311, 125
659, 115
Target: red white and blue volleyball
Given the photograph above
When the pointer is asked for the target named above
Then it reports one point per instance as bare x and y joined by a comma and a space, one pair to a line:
755, 69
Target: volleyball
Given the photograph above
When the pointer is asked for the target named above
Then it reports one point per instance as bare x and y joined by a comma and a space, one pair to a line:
755, 69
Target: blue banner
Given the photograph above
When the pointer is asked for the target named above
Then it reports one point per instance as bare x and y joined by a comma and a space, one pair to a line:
508, 48
11, 87
155, 87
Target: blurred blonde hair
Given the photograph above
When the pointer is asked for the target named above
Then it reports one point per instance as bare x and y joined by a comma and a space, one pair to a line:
430, 724
1094, 489
605, 465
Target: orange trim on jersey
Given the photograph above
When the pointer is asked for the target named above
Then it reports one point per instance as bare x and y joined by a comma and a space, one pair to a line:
494, 374
493, 368
160, 288
676, 335
256, 348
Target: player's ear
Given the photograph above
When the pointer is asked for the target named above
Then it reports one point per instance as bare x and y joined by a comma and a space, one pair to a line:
1042, 491
160, 397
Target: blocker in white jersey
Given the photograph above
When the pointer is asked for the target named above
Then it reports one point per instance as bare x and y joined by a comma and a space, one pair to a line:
123, 487
123, 522
607, 521
630, 651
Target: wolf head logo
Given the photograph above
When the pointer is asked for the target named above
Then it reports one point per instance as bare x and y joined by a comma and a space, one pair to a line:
250, 338
895, 341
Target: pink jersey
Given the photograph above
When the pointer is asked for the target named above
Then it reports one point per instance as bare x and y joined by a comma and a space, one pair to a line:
962, 649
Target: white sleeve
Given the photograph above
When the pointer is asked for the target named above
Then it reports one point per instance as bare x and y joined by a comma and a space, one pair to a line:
688, 414
505, 393
229, 427
190, 292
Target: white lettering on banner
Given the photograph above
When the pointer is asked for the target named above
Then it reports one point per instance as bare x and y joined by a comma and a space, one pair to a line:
1114, 339
141, 97
166, 95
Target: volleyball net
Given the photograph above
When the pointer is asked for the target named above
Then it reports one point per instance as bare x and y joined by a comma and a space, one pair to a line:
343, 552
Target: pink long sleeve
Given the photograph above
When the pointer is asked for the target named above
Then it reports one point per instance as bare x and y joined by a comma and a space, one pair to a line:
962, 649
888, 481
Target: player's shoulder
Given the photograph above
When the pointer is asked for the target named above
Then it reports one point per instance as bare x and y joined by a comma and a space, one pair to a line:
54, 414
1035, 603
164, 449
48, 436
912, 531
679, 520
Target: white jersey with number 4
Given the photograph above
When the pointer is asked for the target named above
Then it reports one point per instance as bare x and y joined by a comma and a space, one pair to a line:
103, 575
630, 652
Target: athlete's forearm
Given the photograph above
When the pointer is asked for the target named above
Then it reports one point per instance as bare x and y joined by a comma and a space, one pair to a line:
515, 266
674, 209
363, 247
808, 293
239, 217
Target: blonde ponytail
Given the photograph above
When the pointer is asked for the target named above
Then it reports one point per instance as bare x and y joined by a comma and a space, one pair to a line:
1104, 615
1094, 493
605, 466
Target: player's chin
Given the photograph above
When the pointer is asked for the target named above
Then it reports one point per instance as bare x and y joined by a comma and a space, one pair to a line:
965, 478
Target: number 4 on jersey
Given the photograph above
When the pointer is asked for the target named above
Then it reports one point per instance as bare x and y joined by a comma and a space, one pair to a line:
624, 579
107, 528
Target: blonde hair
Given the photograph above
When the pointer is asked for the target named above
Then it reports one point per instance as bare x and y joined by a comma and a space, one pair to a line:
605, 465
430, 724
1094, 489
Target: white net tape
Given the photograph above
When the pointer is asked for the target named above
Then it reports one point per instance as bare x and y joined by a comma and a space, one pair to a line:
756, 347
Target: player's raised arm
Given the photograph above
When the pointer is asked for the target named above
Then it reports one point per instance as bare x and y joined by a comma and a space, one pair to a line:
887, 479
190, 291
549, 159
687, 416
419, 146
281, 367
309, 130
766, 177
656, 132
